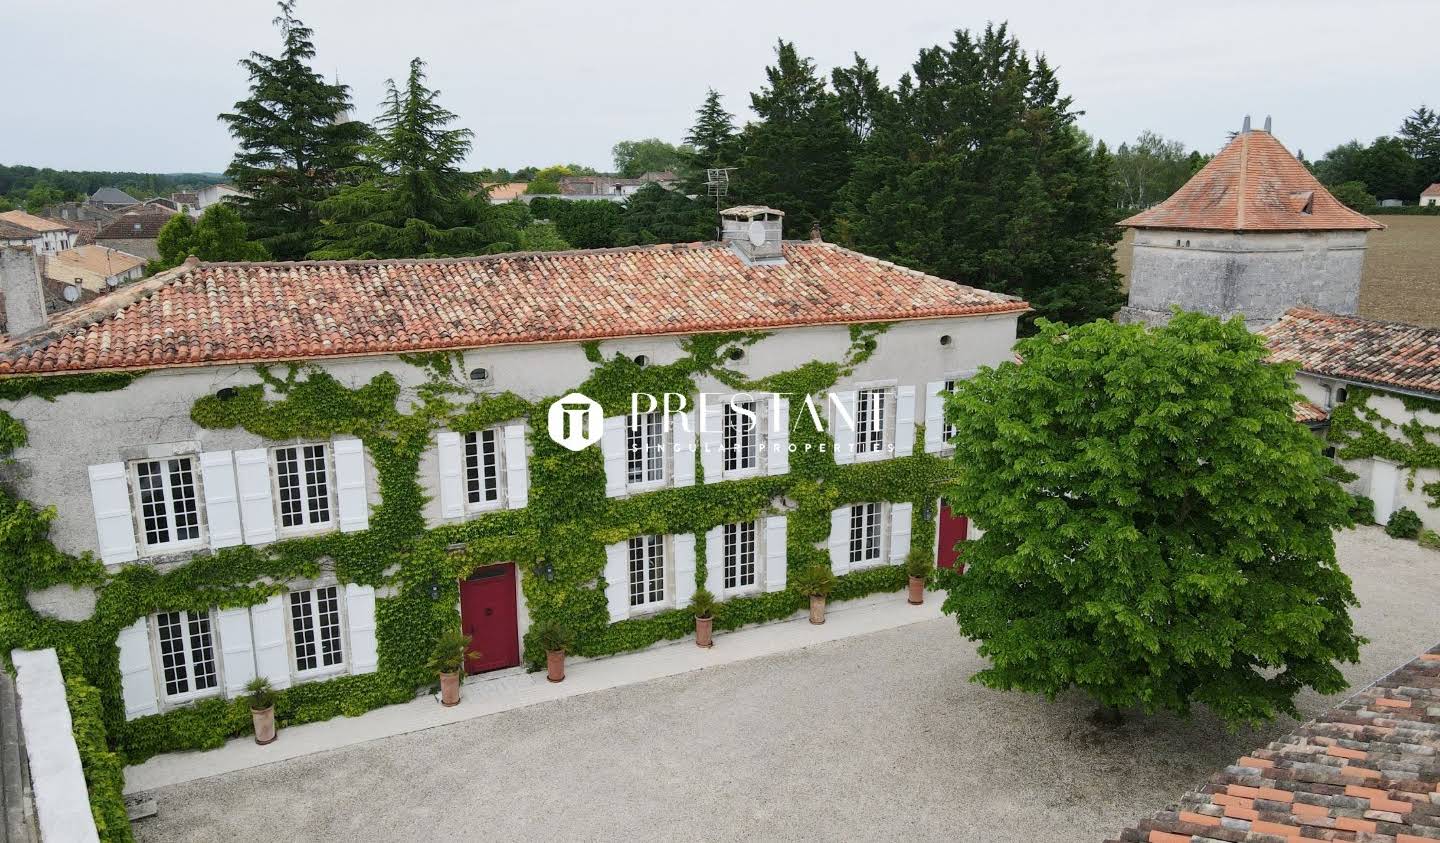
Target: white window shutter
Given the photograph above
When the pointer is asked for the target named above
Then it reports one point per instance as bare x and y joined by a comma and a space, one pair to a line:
777, 451
110, 494
237, 652
350, 485
840, 540
137, 672
222, 503
710, 443
257, 512
450, 455
775, 555
272, 656
715, 562
934, 416
684, 545
905, 421
682, 449
612, 445
899, 532
842, 427
617, 580
360, 612
517, 468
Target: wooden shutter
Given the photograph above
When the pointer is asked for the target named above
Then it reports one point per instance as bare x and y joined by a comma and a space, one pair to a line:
272, 655
840, 540
517, 468
360, 613
450, 456
775, 554
137, 671
617, 580
710, 444
110, 495
237, 652
899, 532
350, 485
252, 479
684, 547
715, 562
612, 445
905, 421
682, 449
934, 416
777, 450
222, 503
842, 427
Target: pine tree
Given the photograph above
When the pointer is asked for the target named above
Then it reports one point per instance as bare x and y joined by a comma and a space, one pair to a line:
656, 215
713, 143
1421, 135
860, 94
295, 144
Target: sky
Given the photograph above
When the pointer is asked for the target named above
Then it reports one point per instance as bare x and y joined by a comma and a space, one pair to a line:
137, 85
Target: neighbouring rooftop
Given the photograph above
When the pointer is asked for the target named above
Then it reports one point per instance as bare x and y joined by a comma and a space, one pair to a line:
35, 224
1367, 351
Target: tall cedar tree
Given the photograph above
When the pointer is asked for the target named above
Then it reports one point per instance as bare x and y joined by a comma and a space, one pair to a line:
295, 145
1158, 529
1421, 135
975, 171
797, 155
713, 144
655, 215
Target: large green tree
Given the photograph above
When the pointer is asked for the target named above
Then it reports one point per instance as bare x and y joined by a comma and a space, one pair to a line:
713, 144
1149, 170
1386, 168
1158, 529
655, 215
583, 223
635, 158
1420, 133
218, 235
977, 173
296, 146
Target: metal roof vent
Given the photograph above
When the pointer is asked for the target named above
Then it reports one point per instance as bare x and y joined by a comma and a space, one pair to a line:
754, 232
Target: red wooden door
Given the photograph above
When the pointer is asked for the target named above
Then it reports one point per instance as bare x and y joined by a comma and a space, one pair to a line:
953, 530
487, 614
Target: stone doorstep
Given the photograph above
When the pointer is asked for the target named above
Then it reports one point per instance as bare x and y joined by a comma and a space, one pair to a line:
514, 688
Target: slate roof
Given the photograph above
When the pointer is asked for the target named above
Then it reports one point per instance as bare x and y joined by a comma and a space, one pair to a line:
112, 196
1365, 771
1368, 351
274, 311
32, 222
1253, 184
150, 221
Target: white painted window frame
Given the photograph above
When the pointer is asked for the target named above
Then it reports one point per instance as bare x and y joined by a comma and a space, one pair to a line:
760, 433
501, 491
891, 409
725, 593
320, 672
137, 505
308, 528
667, 455
667, 571
883, 544
157, 660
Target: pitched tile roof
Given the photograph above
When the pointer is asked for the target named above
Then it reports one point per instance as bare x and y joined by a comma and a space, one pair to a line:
1366, 770
233, 312
141, 225
32, 222
1307, 413
100, 260
1253, 184
11, 231
1432, 190
1385, 354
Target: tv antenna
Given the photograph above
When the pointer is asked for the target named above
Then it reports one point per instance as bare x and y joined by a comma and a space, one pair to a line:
717, 184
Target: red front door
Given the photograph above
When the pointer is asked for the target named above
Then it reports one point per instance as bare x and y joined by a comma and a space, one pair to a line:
953, 530
487, 614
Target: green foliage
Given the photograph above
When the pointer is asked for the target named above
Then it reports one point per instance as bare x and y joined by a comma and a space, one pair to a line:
1149, 170
261, 695
1361, 432
554, 637
547, 180
1362, 509
919, 564
17, 180
1430, 539
1403, 524
815, 581
703, 603
104, 772
1420, 135
713, 143
219, 235
655, 215
638, 157
1385, 167
583, 223
1158, 530
173, 241
1353, 195
450, 651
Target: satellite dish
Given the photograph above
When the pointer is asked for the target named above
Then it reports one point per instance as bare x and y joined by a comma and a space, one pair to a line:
757, 232
71, 293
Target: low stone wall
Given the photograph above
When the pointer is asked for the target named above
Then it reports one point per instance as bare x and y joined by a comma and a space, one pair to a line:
62, 803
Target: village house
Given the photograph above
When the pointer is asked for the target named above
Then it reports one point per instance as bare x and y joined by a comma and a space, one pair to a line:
94, 268
1430, 195
47, 237
208, 195
112, 198
135, 232
613, 187
429, 475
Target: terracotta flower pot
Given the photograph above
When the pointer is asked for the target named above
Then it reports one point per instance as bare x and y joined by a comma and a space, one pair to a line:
817, 608
917, 591
264, 720
703, 627
449, 689
555, 665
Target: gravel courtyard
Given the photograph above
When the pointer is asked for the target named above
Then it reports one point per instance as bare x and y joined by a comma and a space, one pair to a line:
875, 737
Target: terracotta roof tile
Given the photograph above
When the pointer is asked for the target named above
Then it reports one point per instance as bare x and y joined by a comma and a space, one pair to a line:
234, 312
1386, 354
140, 225
1253, 184
32, 222
1432, 190
1307, 413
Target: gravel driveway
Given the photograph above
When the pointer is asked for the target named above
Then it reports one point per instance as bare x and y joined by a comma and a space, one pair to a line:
875, 737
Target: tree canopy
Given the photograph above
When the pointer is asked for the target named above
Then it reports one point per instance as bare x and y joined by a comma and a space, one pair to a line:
656, 215
712, 141
219, 235
1157, 527
1151, 169
635, 158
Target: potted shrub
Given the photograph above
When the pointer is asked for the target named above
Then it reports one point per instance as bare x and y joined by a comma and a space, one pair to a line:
816, 583
262, 709
452, 648
555, 639
702, 606
918, 566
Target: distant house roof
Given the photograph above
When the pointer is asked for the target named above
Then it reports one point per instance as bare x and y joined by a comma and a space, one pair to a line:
1253, 184
507, 191
1432, 190
100, 260
11, 231
112, 196
85, 231
32, 222
1366, 770
184, 198
201, 314
1367, 351
140, 225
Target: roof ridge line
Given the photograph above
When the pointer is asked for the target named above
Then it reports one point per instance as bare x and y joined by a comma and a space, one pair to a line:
1240, 184
498, 256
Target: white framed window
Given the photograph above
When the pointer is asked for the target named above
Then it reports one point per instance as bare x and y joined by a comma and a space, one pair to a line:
870, 419
482, 469
947, 432
302, 480
168, 503
866, 538
185, 647
739, 437
740, 557
645, 449
647, 571
316, 637
1328, 399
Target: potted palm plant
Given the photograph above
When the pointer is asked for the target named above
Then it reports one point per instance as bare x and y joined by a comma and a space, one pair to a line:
917, 565
702, 606
816, 582
452, 648
555, 639
262, 709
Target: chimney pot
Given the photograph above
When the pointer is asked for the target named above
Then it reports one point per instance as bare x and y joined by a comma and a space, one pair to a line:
754, 232
1267, 124
815, 232
24, 296
1245, 127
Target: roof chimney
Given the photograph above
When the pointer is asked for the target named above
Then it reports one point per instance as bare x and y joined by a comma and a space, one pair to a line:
754, 232
1245, 128
1267, 124
20, 285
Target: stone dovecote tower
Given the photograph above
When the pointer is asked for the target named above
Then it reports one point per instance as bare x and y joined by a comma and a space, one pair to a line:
1253, 234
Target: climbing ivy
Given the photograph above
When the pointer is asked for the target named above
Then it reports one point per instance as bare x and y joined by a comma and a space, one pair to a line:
1362, 432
